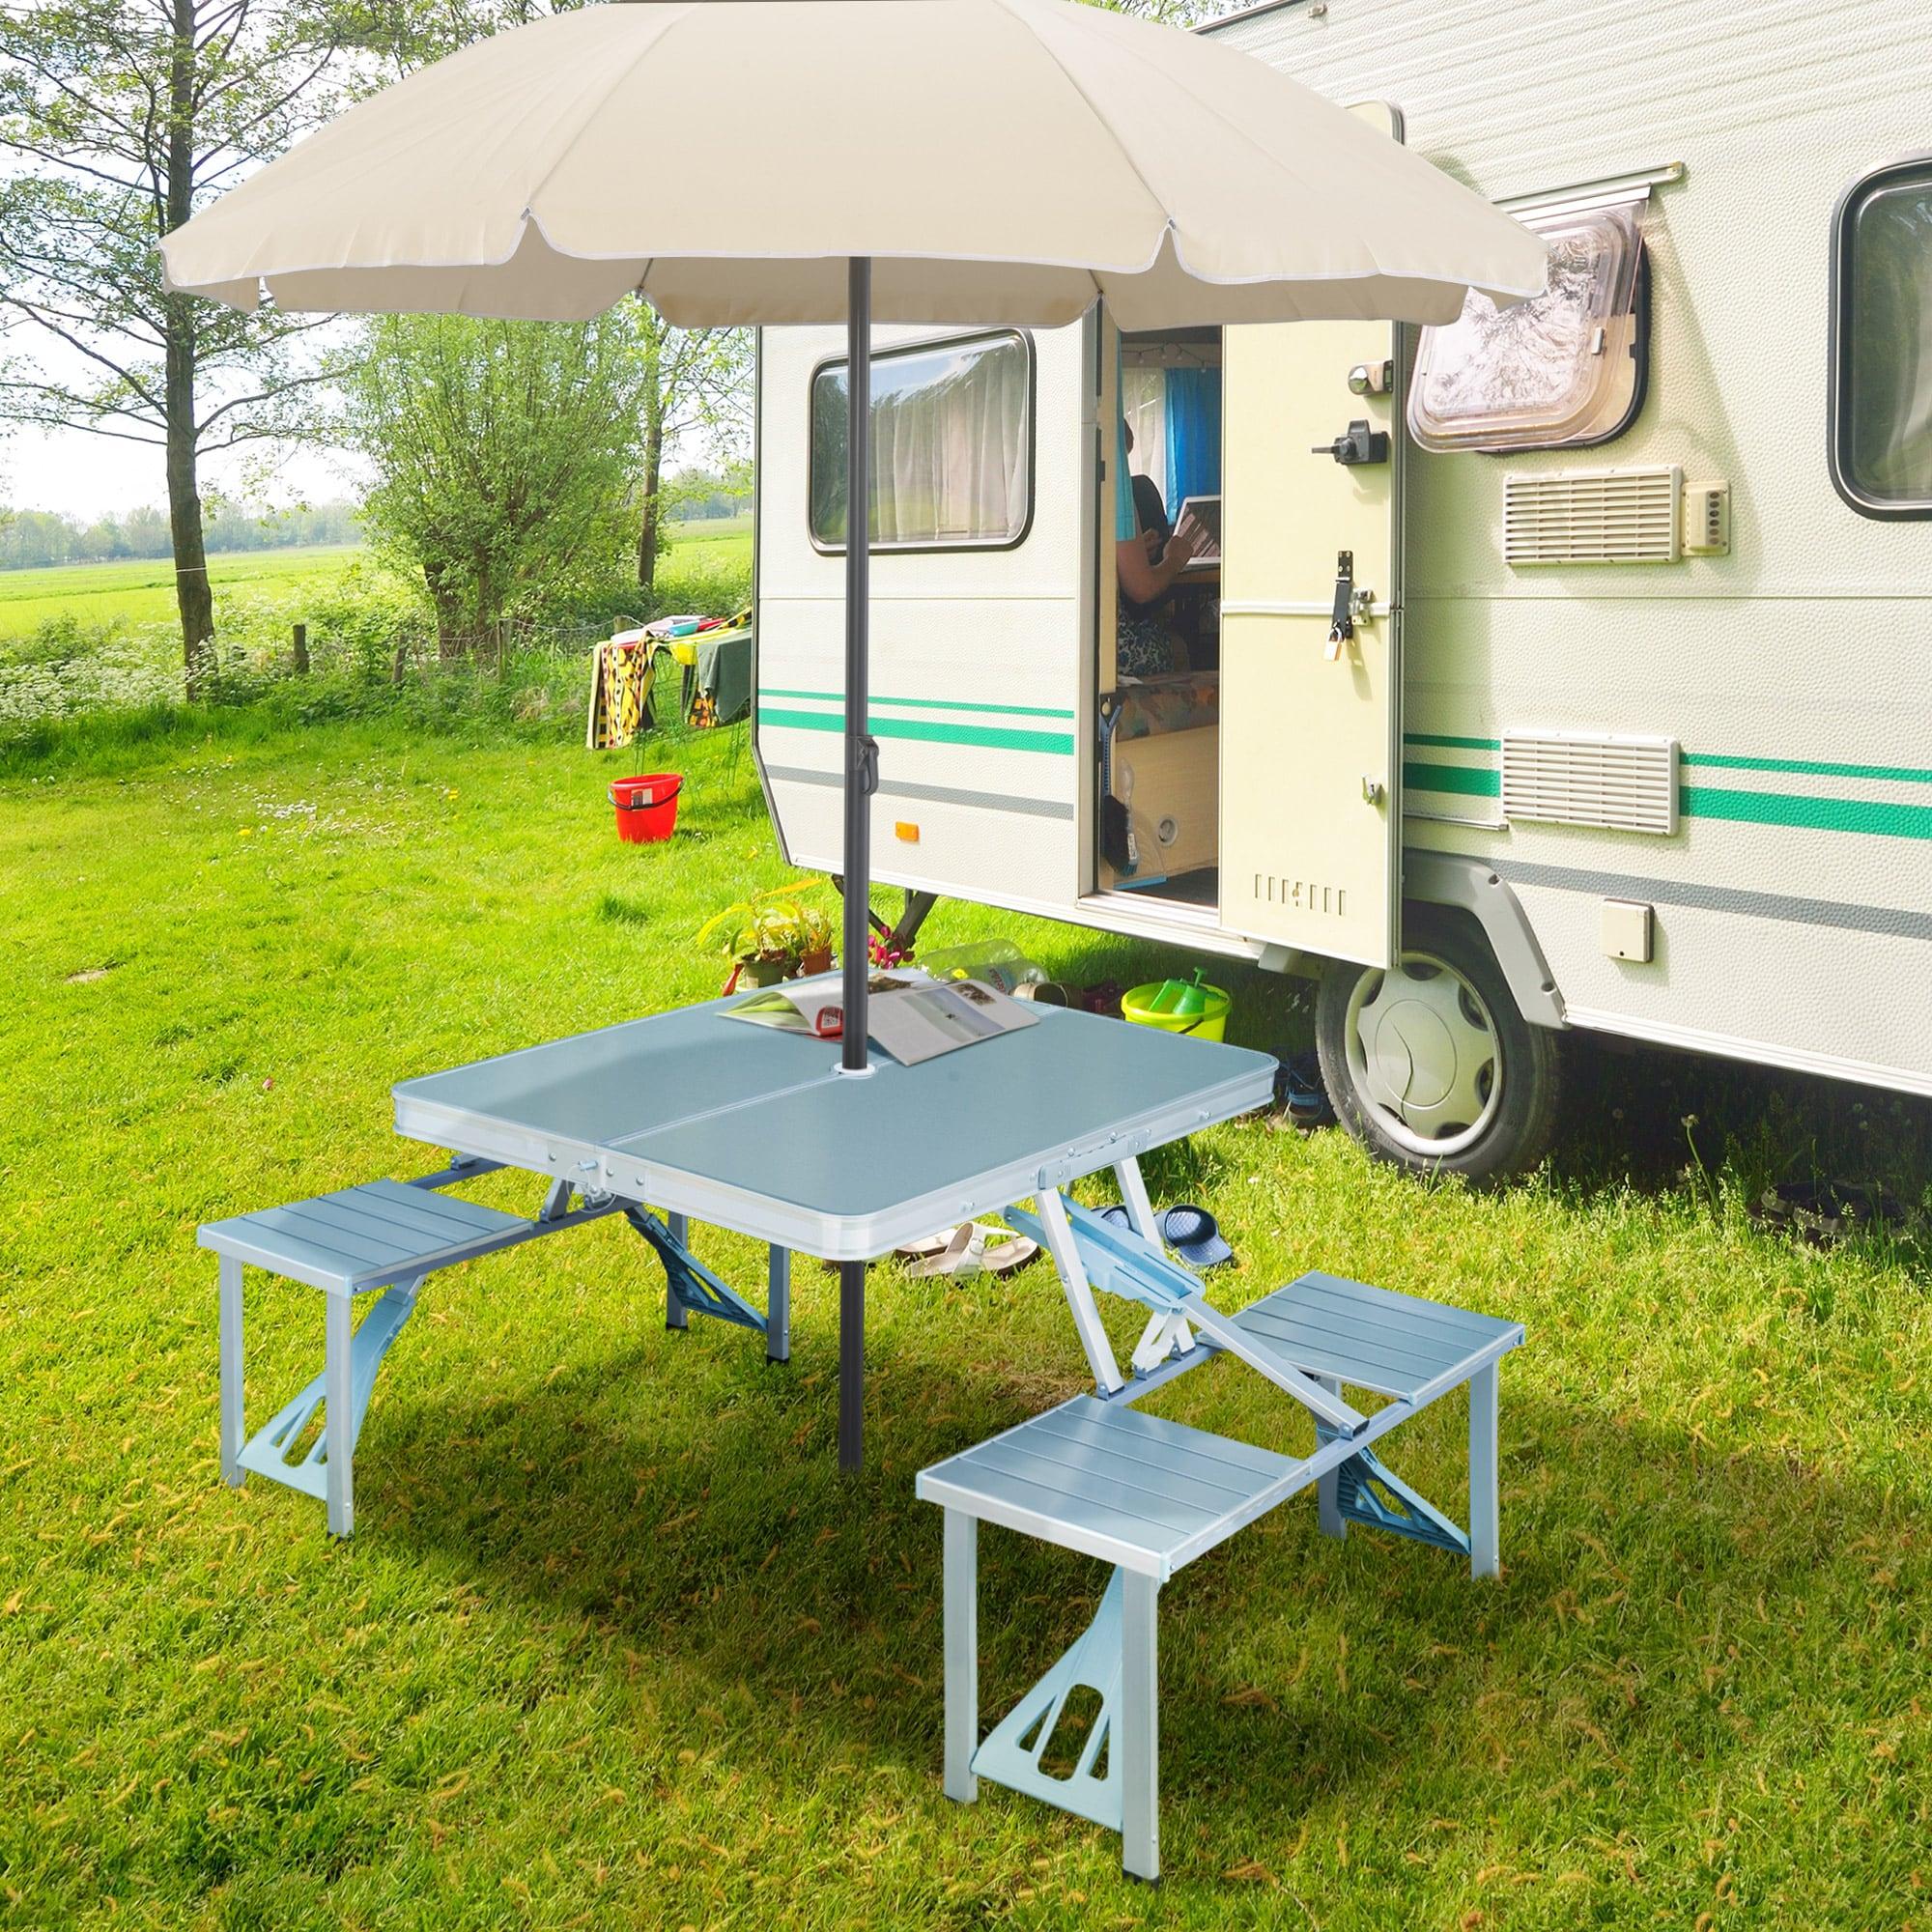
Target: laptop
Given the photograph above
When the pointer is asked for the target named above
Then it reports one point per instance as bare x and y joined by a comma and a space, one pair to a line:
1207, 514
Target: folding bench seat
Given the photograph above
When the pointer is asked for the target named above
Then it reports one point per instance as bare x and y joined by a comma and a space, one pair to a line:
389, 1237
1148, 1496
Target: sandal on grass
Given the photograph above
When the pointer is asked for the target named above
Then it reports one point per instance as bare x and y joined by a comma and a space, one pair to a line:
973, 1247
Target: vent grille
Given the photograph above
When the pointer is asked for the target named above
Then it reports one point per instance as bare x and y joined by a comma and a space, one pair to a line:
1592, 516
1579, 778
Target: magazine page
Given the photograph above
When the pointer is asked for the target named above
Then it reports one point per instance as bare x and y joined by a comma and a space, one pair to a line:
915, 1020
769, 1006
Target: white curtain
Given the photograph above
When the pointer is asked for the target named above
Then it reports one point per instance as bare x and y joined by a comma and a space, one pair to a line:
1144, 404
949, 439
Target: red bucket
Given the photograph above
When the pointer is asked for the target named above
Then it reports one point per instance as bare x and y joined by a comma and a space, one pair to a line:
646, 806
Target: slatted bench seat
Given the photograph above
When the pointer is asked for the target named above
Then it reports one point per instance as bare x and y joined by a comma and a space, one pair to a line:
389, 1237
1148, 1496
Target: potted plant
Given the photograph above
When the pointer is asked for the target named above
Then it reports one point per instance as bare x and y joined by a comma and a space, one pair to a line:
815, 935
769, 937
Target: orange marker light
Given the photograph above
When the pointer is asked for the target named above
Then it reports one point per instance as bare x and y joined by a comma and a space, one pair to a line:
909, 832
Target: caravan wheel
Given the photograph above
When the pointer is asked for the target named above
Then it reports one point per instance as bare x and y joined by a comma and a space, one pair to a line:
1430, 1064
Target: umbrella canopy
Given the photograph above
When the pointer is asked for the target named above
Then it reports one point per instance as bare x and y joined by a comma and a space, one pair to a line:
999, 161
916, 160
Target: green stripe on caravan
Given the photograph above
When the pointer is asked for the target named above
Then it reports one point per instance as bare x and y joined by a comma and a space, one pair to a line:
989, 737
1816, 814
1745, 807
1470, 780
1808, 768
925, 704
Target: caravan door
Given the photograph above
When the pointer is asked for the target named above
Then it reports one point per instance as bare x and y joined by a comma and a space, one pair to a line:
1311, 660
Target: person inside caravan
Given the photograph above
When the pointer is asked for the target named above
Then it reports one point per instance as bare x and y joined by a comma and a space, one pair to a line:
1146, 645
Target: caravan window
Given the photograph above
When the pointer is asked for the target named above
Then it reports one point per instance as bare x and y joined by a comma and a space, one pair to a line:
1881, 435
1561, 370
951, 445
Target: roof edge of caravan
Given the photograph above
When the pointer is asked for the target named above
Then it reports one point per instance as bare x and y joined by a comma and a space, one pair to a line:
1260, 7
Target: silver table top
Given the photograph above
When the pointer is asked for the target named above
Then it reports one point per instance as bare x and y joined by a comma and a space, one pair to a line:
756, 1130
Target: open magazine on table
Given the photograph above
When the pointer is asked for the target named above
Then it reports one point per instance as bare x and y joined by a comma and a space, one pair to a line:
910, 1017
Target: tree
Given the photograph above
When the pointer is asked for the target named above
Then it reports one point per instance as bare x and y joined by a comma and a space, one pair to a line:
695, 380
505, 454
122, 117
1166, 13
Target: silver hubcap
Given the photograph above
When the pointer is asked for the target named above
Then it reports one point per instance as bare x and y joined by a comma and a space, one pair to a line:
1423, 1052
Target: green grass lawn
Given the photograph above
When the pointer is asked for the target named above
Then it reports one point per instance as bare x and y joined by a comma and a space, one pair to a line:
141, 592
614, 1644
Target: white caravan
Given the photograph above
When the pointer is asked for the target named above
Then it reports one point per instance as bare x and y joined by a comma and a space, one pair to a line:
1563, 669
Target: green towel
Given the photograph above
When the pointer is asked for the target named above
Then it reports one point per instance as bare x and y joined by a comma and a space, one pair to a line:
725, 674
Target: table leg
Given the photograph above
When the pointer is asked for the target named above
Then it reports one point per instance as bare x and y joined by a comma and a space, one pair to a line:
676, 1315
1134, 1196
233, 1428
961, 1642
851, 1363
778, 1306
1073, 1273
338, 1409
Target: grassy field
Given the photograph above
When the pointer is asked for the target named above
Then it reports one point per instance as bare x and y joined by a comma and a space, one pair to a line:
614, 1645
710, 530
140, 592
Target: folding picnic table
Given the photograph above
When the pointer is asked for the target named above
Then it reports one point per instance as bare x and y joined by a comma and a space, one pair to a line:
712, 1118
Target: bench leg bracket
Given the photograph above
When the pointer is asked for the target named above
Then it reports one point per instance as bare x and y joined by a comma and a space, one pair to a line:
1117, 1658
693, 1289
1367, 1491
351, 1356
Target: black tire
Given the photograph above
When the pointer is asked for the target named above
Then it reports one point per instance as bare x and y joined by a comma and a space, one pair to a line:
1522, 1092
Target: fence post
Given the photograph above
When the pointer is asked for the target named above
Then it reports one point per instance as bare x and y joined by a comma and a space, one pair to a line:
301, 647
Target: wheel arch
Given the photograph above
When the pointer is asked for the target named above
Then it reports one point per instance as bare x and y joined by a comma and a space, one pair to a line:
1456, 880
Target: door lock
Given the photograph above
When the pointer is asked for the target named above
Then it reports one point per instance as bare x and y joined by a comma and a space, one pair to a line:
1372, 379
1342, 619
1357, 443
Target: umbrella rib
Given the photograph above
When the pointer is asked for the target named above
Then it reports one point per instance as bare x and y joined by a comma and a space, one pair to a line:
1126, 153
624, 74
1300, 181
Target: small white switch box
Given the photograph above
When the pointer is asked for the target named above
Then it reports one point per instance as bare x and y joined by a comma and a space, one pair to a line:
1627, 930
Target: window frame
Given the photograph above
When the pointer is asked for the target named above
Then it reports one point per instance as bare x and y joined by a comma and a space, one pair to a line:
1837, 360
1639, 352
924, 345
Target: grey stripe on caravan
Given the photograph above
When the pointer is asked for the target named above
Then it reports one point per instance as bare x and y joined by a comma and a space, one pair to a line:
1894, 922
986, 801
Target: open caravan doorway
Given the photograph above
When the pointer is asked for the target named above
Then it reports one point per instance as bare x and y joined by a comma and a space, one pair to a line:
1248, 710
1158, 675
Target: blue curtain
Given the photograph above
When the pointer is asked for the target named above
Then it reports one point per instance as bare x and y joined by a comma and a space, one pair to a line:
1193, 436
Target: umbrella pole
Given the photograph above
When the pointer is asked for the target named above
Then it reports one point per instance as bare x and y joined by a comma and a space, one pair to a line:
862, 779
861, 754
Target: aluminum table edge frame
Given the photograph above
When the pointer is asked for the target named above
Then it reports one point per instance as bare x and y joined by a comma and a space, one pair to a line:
589, 1165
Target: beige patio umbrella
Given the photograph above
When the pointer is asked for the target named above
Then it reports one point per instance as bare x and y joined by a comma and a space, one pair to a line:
815, 160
